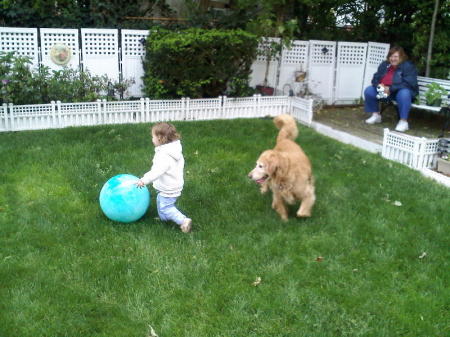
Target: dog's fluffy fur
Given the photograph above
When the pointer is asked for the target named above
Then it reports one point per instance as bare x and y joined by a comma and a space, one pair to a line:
286, 170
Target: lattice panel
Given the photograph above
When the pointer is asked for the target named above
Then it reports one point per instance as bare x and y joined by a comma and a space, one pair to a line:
50, 37
297, 54
352, 54
134, 106
263, 48
404, 143
76, 108
205, 103
32, 110
99, 42
132, 42
165, 105
377, 53
322, 52
22, 41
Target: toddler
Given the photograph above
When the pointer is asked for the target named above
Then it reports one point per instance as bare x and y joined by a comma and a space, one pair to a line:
167, 174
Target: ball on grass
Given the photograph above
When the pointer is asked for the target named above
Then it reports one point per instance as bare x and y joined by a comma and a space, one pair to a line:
122, 200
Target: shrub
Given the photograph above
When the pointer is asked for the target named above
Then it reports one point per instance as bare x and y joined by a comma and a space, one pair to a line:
22, 84
198, 63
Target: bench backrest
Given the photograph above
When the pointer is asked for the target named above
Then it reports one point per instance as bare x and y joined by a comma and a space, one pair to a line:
424, 81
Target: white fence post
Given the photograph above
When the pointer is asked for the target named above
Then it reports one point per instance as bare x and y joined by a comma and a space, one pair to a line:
187, 101
4, 119
148, 117
11, 117
419, 149
54, 117
142, 111
60, 123
102, 113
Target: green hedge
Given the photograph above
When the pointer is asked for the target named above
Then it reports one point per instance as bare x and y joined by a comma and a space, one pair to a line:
198, 63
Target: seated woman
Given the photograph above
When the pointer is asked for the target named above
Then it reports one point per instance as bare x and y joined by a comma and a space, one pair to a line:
398, 76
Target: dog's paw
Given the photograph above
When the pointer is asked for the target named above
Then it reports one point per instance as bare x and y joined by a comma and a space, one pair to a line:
303, 214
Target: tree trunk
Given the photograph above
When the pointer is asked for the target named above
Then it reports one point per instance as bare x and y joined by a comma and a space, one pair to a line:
430, 41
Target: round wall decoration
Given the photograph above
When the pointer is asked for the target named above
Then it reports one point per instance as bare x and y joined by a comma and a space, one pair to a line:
60, 54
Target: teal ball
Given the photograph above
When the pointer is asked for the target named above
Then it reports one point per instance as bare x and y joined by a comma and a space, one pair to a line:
122, 200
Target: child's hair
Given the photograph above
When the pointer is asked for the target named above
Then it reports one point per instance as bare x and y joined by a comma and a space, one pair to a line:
165, 132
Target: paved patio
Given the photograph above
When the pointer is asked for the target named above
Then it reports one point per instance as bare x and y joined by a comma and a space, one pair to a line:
350, 119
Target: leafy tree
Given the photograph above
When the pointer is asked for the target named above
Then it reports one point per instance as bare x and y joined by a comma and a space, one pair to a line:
78, 13
440, 60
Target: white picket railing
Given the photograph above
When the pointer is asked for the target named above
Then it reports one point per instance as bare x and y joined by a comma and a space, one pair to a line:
415, 152
60, 115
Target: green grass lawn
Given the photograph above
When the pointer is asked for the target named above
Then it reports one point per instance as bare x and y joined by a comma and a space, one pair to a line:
381, 229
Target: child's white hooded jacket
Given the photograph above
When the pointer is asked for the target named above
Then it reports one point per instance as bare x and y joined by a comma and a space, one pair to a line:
167, 169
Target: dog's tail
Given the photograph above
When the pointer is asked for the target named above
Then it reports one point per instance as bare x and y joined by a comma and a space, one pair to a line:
287, 126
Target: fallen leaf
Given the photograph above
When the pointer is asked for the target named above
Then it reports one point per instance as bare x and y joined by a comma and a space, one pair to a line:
319, 259
152, 332
257, 282
422, 255
397, 203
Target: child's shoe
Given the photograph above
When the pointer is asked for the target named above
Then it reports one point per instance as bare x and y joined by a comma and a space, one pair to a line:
186, 226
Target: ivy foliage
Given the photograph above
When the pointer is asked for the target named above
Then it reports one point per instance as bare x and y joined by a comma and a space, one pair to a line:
198, 63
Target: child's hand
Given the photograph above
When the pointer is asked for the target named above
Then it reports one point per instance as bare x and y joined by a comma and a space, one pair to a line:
140, 183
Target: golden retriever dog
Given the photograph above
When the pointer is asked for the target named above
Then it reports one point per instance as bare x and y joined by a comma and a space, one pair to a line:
286, 170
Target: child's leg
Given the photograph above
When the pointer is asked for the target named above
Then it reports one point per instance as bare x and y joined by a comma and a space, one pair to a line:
167, 210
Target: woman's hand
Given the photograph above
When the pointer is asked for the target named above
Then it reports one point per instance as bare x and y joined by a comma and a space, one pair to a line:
140, 183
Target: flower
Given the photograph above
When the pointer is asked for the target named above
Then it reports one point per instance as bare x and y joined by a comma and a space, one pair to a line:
5, 82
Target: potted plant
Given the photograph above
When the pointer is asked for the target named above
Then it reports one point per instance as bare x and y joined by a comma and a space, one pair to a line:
433, 95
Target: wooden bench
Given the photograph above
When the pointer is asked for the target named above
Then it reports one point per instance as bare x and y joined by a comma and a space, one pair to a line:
420, 101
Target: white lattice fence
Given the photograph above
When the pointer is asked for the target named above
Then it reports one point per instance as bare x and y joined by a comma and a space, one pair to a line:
51, 39
321, 69
415, 152
292, 60
22, 41
260, 65
101, 51
133, 52
376, 53
350, 65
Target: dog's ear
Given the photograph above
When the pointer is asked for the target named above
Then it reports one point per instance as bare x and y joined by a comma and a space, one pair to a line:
278, 166
272, 162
